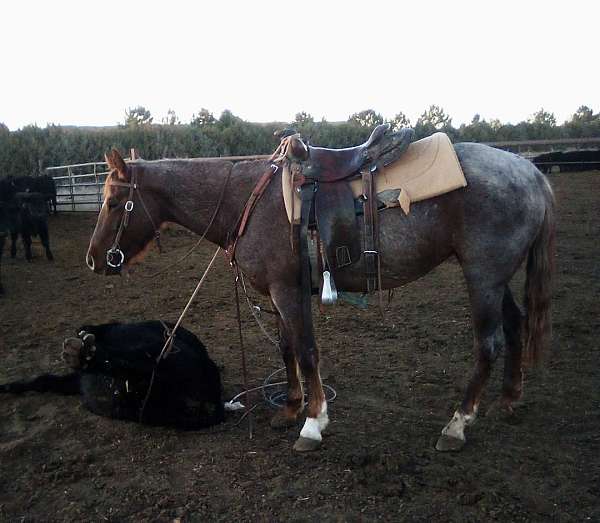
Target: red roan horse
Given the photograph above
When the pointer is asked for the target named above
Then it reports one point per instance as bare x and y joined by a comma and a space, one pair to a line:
504, 215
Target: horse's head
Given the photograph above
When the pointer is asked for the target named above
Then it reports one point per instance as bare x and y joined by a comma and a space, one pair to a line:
126, 223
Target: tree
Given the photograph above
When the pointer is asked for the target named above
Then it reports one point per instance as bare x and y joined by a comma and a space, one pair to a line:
137, 116
432, 120
435, 117
367, 118
399, 121
584, 115
543, 118
303, 118
228, 119
584, 123
477, 131
204, 117
171, 118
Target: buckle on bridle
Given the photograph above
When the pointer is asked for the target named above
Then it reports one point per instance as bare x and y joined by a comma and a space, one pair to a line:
110, 257
129, 205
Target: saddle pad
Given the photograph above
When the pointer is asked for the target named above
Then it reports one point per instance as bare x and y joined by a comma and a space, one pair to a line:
428, 168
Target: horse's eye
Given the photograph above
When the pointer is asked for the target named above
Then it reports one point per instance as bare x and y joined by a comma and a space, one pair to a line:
112, 203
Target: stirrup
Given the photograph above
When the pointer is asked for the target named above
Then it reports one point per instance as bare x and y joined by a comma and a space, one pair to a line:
329, 295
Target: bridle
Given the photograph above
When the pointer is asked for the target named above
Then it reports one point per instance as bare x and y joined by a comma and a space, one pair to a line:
115, 256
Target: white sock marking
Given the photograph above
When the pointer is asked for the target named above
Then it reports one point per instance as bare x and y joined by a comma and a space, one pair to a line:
314, 426
456, 426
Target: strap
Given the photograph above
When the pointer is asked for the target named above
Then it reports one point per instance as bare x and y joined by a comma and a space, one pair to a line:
370, 227
307, 195
256, 194
128, 208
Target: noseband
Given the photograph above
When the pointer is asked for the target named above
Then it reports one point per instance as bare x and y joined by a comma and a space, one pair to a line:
115, 256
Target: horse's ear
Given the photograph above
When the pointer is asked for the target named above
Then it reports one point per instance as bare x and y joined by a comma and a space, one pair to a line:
115, 162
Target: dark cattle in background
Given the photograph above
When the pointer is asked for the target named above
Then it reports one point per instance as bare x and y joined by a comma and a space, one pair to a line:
42, 184
113, 365
570, 161
28, 216
7, 191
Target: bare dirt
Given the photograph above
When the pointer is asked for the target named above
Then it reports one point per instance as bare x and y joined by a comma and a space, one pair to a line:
397, 386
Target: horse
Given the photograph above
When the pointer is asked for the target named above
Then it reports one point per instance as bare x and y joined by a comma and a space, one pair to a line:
503, 216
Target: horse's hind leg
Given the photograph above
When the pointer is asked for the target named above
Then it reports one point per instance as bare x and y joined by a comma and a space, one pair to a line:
294, 404
486, 304
512, 386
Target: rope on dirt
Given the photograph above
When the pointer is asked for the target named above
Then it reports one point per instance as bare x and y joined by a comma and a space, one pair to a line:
277, 398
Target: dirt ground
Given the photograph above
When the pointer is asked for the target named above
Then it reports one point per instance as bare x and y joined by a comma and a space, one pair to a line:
397, 386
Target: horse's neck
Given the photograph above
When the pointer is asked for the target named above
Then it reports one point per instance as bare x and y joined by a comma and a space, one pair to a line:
191, 192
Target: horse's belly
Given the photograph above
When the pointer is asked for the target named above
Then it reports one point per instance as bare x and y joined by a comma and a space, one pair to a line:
409, 245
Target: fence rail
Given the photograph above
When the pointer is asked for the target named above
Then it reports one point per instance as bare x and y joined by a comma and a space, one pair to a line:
72, 190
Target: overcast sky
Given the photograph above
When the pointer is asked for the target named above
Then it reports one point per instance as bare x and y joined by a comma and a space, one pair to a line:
86, 62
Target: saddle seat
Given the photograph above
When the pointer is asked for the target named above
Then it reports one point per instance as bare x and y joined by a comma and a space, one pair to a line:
334, 165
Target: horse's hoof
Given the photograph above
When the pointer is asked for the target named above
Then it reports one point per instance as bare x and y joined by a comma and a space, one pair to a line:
306, 444
449, 444
280, 421
501, 408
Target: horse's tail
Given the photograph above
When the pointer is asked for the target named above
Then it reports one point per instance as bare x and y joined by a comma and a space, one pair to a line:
538, 285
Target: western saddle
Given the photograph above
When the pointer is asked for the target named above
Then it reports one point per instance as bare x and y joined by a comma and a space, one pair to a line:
322, 176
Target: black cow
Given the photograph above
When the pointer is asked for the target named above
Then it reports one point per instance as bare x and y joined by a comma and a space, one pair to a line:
28, 216
42, 184
7, 212
114, 364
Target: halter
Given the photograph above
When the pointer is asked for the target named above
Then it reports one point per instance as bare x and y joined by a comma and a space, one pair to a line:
115, 256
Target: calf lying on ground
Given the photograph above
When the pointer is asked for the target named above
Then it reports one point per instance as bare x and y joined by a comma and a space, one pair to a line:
114, 364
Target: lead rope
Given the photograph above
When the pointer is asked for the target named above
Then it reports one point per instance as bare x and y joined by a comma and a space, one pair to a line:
249, 408
168, 346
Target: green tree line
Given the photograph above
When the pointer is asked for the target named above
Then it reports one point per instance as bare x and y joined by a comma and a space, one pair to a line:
32, 148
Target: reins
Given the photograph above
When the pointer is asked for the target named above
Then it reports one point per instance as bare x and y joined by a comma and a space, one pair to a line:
211, 221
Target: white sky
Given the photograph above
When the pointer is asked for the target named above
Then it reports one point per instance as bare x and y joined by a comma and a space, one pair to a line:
85, 62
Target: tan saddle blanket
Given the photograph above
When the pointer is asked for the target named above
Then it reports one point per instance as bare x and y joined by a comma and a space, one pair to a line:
428, 168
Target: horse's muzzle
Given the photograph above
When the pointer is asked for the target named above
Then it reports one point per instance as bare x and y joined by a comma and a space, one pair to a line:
89, 261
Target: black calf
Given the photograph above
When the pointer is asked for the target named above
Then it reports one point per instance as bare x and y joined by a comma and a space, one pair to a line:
43, 184
29, 217
7, 192
114, 364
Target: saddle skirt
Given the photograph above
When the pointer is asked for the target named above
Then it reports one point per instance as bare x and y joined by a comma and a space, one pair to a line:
428, 168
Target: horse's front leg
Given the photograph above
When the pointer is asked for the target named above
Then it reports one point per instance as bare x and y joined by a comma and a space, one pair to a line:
301, 338
288, 415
